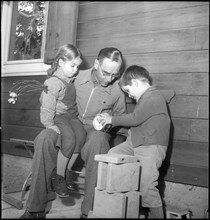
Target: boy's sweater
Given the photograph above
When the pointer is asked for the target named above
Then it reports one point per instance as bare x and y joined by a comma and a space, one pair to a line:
150, 121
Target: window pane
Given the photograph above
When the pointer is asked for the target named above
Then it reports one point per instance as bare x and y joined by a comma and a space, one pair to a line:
27, 30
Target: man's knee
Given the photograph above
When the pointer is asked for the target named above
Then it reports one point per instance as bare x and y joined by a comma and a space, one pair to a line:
97, 143
98, 137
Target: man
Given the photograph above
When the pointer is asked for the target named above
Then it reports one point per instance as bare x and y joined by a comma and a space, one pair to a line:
97, 91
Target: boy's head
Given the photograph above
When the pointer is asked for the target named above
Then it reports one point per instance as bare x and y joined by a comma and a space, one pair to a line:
135, 81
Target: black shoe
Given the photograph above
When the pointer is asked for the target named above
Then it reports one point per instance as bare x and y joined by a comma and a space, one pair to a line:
33, 215
83, 216
69, 182
60, 186
71, 187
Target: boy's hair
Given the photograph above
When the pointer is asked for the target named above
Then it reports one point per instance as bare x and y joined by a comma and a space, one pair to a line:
66, 52
135, 72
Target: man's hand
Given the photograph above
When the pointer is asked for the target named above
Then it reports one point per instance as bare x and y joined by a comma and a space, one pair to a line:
105, 119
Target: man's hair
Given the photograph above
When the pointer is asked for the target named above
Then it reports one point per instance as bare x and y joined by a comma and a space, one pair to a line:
135, 72
111, 53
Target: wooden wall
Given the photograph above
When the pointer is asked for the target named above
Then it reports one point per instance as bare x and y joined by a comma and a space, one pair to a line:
171, 40
21, 120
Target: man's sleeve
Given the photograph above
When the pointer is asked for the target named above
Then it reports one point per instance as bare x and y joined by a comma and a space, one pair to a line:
119, 107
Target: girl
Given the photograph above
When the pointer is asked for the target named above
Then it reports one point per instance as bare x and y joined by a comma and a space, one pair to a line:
59, 111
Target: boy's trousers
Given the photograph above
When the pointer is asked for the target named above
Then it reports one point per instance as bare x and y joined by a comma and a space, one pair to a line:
151, 158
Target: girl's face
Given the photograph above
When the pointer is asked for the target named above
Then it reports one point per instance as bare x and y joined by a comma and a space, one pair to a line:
70, 68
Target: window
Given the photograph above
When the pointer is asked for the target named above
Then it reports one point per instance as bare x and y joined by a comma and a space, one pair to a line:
23, 37
26, 25
27, 30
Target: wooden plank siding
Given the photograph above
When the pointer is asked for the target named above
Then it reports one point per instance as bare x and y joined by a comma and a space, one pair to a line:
65, 11
21, 120
141, 22
171, 40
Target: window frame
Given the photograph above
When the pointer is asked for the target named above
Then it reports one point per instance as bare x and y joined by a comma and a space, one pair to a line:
19, 67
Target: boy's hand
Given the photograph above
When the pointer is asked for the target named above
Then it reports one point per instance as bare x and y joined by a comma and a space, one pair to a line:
55, 128
105, 119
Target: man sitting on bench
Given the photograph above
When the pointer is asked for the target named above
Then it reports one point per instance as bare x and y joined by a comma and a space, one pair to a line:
97, 91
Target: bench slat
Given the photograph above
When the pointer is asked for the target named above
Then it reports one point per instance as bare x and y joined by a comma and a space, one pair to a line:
22, 141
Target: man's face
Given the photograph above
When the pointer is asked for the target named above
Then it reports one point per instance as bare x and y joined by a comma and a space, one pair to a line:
107, 71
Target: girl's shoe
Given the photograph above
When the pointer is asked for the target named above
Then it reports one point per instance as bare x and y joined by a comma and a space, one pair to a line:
60, 186
70, 185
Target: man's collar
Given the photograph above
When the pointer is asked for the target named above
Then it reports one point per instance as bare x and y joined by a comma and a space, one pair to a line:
89, 78
86, 77
96, 82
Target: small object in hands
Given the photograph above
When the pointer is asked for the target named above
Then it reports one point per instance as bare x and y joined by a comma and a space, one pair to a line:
98, 125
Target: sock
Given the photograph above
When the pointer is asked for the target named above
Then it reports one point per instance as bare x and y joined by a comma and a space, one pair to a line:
72, 160
61, 164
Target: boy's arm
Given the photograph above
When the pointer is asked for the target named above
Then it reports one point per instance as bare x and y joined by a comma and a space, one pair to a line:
152, 106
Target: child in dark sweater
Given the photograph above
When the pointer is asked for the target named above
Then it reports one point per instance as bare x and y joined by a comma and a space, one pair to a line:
148, 135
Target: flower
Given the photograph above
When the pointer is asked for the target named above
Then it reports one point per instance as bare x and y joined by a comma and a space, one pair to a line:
12, 100
23, 86
13, 94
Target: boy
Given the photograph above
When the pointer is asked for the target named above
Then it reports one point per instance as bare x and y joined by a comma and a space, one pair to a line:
148, 135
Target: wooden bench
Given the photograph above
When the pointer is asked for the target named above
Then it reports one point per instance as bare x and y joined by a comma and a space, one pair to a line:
29, 147
77, 172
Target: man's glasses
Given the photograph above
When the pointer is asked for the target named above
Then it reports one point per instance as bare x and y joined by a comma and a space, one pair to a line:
107, 74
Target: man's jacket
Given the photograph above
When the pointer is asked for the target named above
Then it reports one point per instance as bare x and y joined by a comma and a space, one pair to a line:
92, 100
